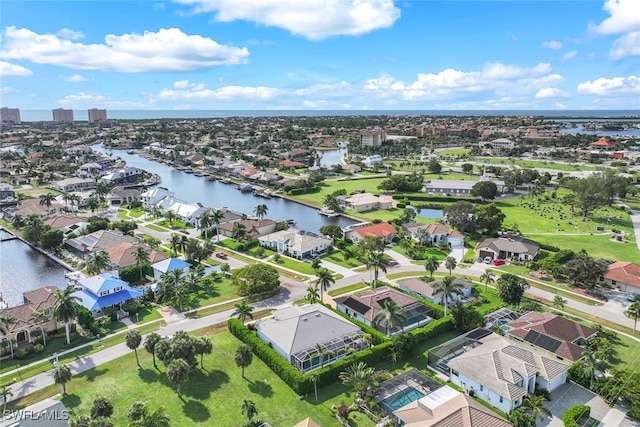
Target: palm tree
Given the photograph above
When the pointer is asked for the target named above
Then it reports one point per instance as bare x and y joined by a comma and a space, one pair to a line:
204, 347
141, 255
216, 218
450, 263
243, 311
316, 264
249, 409
5, 322
590, 364
65, 309
150, 345
92, 203
321, 352
170, 216
62, 375
175, 241
559, 302
359, 376
390, 315
204, 223
378, 261
139, 416
5, 394
174, 277
313, 294
192, 280
133, 340
535, 404
487, 279
324, 280
431, 264
47, 200
261, 211
447, 288
243, 357
178, 373
98, 263
633, 312
239, 231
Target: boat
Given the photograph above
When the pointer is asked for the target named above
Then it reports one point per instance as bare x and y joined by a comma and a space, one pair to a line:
245, 188
211, 178
262, 193
328, 212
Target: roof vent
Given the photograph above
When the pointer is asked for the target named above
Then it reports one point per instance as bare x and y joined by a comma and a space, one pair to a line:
304, 319
317, 314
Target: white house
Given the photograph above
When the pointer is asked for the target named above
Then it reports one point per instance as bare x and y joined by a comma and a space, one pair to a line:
75, 184
167, 265
295, 332
425, 289
502, 374
188, 212
372, 160
296, 243
435, 234
106, 290
154, 196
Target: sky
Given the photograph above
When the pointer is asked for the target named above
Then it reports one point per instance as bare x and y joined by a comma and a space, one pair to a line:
320, 54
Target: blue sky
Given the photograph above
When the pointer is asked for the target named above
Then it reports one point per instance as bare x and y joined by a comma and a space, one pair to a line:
321, 54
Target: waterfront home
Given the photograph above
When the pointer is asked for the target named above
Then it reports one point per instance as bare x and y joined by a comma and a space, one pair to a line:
252, 227
30, 207
296, 243
296, 332
127, 174
372, 161
551, 335
123, 255
384, 231
187, 212
502, 374
96, 293
100, 240
426, 289
90, 170
289, 164
32, 318
168, 265
625, 276
6, 191
360, 202
351, 168
508, 248
121, 196
366, 306
436, 234
68, 223
153, 196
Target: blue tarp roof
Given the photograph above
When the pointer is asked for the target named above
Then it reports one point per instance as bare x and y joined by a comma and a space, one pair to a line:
95, 303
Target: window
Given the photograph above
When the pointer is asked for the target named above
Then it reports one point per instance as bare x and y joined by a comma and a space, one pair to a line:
501, 399
481, 387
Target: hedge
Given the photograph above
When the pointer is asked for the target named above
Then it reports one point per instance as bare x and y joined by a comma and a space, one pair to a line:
428, 198
549, 248
573, 414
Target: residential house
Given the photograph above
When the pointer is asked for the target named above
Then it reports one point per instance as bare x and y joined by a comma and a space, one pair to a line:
296, 243
604, 143
68, 223
90, 170
100, 240
426, 289
508, 248
103, 291
498, 145
252, 227
289, 164
383, 230
32, 318
153, 196
122, 196
126, 174
296, 332
75, 184
553, 335
123, 255
30, 207
624, 275
351, 168
6, 191
455, 187
366, 306
436, 234
168, 265
502, 374
187, 212
372, 161
360, 202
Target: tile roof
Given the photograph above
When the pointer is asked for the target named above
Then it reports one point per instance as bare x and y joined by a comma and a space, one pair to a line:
627, 273
62, 220
381, 230
123, 255
518, 246
370, 303
35, 300
425, 289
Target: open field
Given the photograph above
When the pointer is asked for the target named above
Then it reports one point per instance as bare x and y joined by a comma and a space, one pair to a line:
453, 152
543, 164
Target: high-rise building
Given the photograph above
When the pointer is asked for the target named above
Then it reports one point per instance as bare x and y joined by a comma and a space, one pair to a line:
10, 116
96, 115
373, 138
60, 115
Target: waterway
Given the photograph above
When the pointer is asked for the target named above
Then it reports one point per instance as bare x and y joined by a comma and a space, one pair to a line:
194, 189
430, 213
629, 133
23, 269
332, 157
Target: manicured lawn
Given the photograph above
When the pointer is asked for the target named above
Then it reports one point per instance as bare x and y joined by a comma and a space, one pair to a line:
633, 202
36, 192
156, 228
337, 257
210, 397
544, 164
300, 267
441, 255
176, 224
453, 152
367, 184
347, 289
222, 291
228, 243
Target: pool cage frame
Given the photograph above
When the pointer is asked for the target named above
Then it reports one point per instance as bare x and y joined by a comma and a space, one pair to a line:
336, 348
440, 355
410, 379
504, 313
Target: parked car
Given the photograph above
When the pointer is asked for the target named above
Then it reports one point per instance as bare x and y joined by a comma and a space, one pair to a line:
221, 255
499, 262
487, 260
632, 296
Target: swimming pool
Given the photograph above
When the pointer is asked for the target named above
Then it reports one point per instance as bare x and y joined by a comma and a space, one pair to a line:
400, 399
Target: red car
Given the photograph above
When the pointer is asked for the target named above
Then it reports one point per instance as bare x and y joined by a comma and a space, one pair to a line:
221, 255
499, 262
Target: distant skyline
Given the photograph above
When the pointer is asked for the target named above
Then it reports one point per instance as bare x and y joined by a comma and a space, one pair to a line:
321, 55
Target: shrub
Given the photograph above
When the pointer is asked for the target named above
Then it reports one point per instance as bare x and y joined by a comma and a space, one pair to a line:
38, 348
573, 413
549, 248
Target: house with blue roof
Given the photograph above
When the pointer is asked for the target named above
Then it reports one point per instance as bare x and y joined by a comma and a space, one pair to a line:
106, 290
167, 265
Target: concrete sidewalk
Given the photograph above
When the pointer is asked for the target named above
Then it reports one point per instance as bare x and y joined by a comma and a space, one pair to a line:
346, 272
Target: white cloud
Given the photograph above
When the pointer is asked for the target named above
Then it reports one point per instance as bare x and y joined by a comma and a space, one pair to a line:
550, 92
166, 50
313, 19
614, 85
185, 90
12, 70
75, 78
552, 44
83, 100
624, 19
570, 55
5, 90
67, 34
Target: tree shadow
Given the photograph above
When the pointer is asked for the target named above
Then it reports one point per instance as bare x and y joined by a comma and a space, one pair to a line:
94, 373
261, 388
195, 410
201, 385
71, 400
149, 375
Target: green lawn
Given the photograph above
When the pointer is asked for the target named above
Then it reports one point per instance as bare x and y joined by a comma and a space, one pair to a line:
633, 202
347, 289
299, 266
222, 291
544, 164
156, 228
210, 397
453, 152
337, 257
441, 255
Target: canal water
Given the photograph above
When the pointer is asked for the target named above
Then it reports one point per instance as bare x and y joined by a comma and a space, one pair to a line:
332, 157
23, 268
214, 194
430, 213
